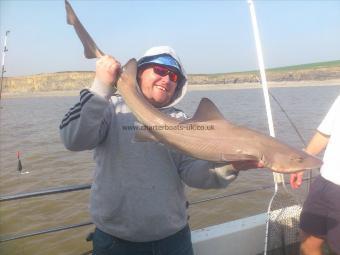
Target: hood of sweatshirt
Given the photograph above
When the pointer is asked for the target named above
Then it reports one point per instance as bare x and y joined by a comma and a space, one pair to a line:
150, 56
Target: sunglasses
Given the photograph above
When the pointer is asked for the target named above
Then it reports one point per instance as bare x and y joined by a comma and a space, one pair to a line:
163, 71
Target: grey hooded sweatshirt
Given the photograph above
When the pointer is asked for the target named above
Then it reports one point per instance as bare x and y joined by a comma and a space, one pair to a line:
138, 191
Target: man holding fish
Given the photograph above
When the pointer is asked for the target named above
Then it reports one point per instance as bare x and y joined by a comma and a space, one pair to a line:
138, 201
320, 217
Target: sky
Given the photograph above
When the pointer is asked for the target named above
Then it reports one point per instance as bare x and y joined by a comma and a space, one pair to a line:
209, 36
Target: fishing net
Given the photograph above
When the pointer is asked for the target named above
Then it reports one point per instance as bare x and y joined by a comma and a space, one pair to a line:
282, 231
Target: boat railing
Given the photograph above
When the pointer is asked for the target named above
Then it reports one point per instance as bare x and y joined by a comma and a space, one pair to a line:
72, 188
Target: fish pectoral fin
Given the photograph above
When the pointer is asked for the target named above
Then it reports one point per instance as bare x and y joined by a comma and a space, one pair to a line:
237, 157
206, 111
144, 136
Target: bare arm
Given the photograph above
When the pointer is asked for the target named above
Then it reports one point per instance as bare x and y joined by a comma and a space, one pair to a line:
317, 144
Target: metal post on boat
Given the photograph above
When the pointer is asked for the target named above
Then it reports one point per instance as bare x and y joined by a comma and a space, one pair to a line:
277, 201
278, 178
261, 67
3, 62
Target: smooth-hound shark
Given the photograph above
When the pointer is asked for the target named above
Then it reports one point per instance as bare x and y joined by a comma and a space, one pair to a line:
208, 135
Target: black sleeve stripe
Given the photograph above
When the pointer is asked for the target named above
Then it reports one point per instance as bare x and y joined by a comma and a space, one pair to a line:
76, 106
69, 121
74, 112
70, 113
85, 99
83, 93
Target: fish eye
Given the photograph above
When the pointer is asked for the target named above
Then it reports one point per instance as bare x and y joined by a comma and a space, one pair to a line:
297, 159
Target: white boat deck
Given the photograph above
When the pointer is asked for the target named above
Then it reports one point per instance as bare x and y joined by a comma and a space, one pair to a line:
240, 237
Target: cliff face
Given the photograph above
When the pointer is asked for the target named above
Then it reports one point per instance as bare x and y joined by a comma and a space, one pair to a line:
77, 80
49, 82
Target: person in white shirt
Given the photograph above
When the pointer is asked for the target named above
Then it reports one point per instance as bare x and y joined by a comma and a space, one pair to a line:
320, 216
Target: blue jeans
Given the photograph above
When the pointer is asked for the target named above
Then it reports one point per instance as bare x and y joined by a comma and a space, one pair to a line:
177, 244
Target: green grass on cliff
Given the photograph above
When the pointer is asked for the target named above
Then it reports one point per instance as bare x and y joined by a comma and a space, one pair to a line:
308, 66
329, 64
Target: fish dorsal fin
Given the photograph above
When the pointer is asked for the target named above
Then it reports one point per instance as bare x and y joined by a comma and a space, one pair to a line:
206, 111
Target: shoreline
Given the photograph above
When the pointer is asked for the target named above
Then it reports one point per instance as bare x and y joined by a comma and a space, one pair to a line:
193, 87
281, 84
